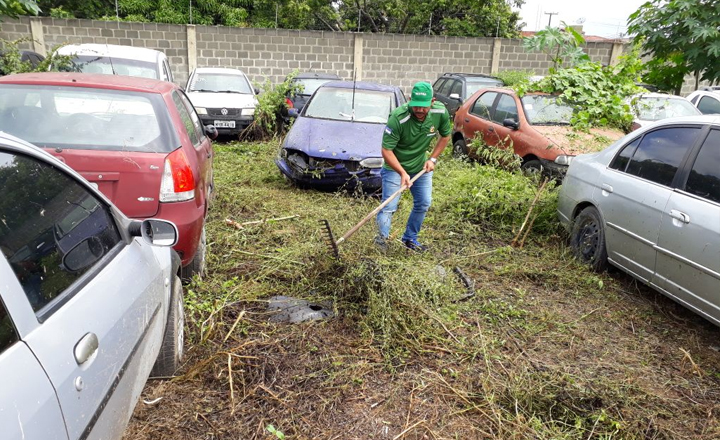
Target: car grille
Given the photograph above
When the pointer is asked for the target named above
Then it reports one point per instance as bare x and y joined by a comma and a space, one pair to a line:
305, 164
218, 111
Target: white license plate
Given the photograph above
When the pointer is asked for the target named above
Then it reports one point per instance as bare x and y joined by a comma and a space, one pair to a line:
224, 124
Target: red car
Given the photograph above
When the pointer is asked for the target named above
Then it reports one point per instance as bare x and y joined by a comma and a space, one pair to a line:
138, 140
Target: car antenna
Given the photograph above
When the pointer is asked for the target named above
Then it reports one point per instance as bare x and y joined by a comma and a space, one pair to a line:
107, 50
352, 114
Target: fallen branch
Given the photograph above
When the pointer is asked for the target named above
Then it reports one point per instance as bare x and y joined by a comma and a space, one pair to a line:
527, 216
689, 358
237, 225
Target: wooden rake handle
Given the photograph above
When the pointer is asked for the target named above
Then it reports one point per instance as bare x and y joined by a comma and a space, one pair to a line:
376, 210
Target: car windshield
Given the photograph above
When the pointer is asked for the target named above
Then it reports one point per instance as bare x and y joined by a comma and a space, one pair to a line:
472, 85
337, 104
86, 118
219, 83
546, 110
109, 66
309, 85
656, 108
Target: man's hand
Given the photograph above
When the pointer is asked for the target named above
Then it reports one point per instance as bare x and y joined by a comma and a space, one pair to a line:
429, 166
405, 180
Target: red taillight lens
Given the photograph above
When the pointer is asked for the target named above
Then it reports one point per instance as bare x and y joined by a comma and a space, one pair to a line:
289, 103
178, 183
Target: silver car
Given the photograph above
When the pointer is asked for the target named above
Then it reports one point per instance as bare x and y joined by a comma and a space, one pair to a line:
650, 205
90, 302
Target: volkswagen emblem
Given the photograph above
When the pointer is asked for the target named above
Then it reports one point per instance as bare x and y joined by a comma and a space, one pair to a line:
224, 112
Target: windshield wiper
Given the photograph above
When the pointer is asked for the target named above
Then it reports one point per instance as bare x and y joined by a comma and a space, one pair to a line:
232, 91
345, 115
203, 90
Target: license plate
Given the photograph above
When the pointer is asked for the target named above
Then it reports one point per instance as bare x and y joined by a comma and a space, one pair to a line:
224, 124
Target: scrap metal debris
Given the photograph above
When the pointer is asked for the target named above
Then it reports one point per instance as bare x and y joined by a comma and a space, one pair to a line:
293, 310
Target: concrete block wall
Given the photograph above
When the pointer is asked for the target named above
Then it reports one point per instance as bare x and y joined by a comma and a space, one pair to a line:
12, 30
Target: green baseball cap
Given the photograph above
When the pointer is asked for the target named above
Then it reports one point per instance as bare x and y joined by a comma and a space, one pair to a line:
421, 95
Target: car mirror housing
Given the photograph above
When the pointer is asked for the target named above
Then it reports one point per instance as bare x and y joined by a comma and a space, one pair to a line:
156, 232
511, 123
455, 96
211, 131
256, 90
293, 112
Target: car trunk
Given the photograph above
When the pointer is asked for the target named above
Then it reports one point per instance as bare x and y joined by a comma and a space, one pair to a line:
131, 180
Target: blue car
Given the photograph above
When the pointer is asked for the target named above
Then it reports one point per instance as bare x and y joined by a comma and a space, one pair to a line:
335, 141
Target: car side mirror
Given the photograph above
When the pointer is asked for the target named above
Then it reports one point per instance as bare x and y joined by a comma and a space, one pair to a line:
256, 90
455, 96
211, 131
511, 123
293, 112
155, 231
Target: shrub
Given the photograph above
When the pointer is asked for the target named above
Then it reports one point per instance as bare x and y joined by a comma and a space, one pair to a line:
271, 102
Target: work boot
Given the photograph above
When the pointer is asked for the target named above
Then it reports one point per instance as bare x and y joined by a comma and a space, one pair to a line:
415, 245
381, 243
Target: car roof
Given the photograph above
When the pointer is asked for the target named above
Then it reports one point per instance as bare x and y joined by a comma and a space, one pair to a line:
112, 51
693, 119
223, 70
317, 75
660, 96
96, 81
360, 85
470, 75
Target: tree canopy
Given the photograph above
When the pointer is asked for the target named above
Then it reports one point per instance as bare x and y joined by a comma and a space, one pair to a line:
682, 36
13, 8
471, 18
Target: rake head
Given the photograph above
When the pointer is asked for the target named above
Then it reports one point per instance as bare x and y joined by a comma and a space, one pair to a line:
330, 239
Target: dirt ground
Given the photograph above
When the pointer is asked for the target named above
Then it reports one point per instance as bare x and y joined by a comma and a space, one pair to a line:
544, 349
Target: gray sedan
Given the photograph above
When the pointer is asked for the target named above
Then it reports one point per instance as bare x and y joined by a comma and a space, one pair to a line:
90, 302
650, 205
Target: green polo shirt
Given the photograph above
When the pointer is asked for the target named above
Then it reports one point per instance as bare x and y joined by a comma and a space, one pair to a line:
409, 138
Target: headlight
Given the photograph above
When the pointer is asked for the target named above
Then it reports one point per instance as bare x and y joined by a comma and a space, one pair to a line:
372, 162
564, 159
248, 111
201, 110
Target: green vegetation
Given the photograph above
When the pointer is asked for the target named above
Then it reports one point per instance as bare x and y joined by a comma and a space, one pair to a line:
561, 44
267, 123
11, 62
13, 8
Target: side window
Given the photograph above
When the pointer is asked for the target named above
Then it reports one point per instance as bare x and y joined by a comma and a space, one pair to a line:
187, 120
709, 105
457, 88
506, 108
482, 106
197, 123
621, 160
445, 89
704, 179
52, 230
660, 152
438, 85
8, 334
694, 99
168, 72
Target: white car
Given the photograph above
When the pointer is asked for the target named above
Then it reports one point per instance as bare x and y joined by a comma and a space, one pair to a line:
707, 101
651, 107
117, 60
222, 97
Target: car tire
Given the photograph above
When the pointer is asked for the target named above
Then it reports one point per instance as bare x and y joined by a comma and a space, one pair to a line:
198, 263
587, 239
532, 167
460, 150
172, 349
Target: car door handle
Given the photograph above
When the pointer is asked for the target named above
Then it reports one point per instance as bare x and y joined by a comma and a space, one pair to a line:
467, 120
491, 129
85, 348
674, 213
607, 188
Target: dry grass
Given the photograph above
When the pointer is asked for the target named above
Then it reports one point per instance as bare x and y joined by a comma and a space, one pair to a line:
545, 349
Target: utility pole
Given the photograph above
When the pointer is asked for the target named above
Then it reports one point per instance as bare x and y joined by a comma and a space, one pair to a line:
430, 25
190, 11
550, 16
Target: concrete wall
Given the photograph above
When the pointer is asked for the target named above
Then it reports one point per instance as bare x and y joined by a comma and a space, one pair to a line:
271, 54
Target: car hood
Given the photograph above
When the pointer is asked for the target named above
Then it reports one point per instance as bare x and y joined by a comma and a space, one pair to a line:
343, 140
219, 100
575, 142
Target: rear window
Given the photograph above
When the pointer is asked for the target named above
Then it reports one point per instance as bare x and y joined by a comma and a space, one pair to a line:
87, 118
110, 66
309, 85
472, 85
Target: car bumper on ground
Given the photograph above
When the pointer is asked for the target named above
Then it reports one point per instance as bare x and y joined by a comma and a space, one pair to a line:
189, 219
330, 178
227, 124
551, 169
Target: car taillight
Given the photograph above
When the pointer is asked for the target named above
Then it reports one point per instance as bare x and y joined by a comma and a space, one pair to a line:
289, 103
178, 183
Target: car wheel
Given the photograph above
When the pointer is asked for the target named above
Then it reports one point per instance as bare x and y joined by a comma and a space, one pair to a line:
532, 167
460, 150
587, 239
172, 349
198, 263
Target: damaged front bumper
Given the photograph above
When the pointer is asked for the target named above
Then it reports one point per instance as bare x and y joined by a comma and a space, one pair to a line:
327, 173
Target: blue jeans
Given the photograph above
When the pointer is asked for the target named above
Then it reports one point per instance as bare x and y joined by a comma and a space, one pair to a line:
422, 197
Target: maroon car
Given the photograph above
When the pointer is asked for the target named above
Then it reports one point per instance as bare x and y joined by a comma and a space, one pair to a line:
138, 140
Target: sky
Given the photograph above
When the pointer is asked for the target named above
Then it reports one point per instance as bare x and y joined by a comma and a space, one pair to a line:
604, 18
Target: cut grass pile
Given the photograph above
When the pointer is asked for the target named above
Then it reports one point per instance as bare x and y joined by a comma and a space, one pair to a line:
545, 349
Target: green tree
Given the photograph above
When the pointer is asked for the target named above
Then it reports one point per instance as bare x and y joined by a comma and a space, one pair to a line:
13, 8
682, 36
561, 45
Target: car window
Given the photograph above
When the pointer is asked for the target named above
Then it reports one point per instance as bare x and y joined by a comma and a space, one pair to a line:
220, 82
623, 158
197, 123
168, 72
8, 334
336, 103
438, 85
445, 89
694, 99
52, 230
506, 108
709, 105
186, 119
482, 106
704, 179
660, 152
309, 85
457, 88
109, 66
